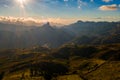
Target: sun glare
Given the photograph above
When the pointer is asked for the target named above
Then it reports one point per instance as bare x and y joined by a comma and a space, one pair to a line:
22, 3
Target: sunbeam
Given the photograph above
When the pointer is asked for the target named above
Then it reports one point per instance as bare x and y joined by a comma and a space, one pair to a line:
22, 4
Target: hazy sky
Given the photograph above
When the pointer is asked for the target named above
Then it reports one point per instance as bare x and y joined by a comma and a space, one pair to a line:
62, 10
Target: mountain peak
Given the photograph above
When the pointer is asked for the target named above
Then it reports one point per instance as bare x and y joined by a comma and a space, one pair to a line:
79, 21
47, 26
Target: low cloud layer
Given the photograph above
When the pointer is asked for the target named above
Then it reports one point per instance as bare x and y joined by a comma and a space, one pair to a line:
29, 21
36, 21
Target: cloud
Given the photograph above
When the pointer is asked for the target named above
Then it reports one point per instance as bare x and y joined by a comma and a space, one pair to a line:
29, 21
107, 1
35, 21
5, 2
108, 7
107, 18
81, 3
119, 5
20, 20
65, 0
91, 0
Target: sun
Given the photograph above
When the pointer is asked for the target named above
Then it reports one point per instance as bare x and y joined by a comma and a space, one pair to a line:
21, 3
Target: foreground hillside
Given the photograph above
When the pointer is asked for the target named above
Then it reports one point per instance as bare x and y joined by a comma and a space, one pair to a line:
69, 62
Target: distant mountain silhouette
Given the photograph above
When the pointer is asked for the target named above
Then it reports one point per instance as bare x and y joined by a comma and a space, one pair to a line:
94, 32
20, 36
43, 35
91, 28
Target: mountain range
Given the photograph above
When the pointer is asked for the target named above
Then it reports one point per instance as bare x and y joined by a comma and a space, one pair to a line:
79, 51
21, 36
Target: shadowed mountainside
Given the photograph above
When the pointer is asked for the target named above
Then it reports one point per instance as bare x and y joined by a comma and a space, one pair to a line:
20, 36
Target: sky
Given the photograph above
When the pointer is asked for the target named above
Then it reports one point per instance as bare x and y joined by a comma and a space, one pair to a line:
60, 11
